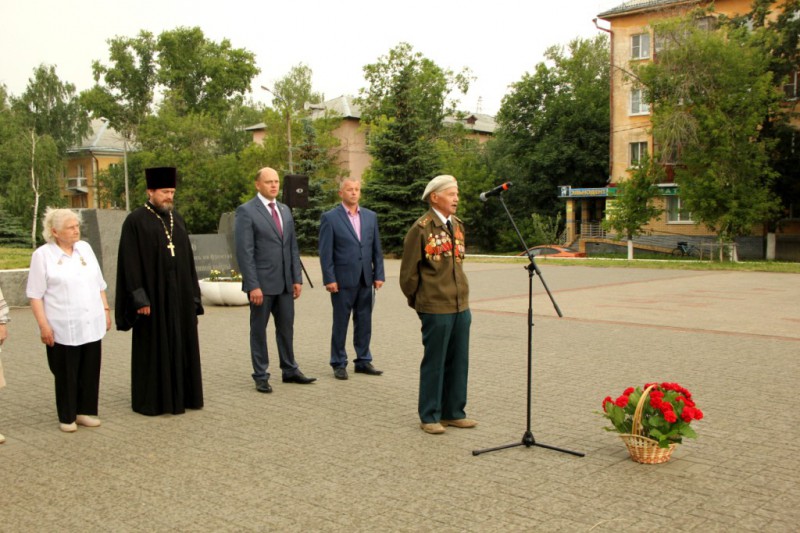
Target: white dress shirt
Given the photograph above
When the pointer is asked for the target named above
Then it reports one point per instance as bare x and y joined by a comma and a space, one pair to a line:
266, 201
69, 287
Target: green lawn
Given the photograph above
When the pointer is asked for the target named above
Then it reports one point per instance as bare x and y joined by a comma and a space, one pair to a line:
21, 258
664, 264
15, 258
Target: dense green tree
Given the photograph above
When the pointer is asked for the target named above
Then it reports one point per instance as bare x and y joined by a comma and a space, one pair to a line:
711, 118
314, 159
200, 75
404, 160
51, 107
233, 137
403, 109
203, 83
633, 207
430, 90
38, 127
470, 162
8, 131
207, 177
291, 94
124, 91
777, 29
12, 234
554, 130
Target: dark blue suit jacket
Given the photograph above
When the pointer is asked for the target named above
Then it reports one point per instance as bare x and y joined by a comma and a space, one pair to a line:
344, 259
266, 260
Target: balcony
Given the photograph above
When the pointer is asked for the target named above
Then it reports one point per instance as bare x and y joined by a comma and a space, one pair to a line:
77, 185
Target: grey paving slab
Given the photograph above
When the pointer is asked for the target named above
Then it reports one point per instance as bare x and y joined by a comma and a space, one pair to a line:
349, 456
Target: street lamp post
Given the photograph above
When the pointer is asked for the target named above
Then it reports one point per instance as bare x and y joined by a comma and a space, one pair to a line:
125, 170
124, 164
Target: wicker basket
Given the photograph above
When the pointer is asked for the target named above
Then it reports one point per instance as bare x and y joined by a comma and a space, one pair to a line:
644, 449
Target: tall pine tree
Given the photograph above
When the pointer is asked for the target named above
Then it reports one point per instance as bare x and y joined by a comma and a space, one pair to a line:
404, 160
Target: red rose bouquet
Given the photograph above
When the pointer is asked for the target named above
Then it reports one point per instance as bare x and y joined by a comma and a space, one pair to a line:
665, 417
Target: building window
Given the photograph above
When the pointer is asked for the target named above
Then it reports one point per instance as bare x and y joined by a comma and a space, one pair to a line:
676, 212
638, 152
790, 89
80, 201
639, 105
709, 23
640, 46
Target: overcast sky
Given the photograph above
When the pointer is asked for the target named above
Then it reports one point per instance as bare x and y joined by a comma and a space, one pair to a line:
499, 40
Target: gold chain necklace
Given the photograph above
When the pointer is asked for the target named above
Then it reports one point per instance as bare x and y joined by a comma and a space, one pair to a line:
168, 233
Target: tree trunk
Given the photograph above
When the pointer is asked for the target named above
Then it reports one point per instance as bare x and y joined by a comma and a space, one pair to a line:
630, 247
35, 187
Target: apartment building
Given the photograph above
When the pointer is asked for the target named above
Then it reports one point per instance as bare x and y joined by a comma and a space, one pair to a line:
632, 41
100, 150
352, 155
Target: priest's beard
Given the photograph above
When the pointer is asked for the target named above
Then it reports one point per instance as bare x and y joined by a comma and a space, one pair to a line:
163, 207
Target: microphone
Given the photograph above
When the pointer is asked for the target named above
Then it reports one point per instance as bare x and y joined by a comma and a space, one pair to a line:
495, 192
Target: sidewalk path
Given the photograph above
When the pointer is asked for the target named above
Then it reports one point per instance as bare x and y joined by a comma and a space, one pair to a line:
349, 456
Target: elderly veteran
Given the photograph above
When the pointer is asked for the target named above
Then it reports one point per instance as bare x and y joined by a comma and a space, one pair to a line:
433, 280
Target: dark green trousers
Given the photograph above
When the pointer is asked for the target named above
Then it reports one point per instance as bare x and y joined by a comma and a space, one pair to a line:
445, 366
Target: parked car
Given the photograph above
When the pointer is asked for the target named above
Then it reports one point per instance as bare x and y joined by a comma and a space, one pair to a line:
552, 250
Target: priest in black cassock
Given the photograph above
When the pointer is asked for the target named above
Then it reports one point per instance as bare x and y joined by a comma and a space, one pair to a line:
159, 298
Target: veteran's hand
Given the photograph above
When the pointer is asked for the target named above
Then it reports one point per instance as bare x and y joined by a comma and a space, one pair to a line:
297, 288
332, 287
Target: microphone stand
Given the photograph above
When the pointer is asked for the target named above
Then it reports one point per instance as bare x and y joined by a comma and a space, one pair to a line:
527, 438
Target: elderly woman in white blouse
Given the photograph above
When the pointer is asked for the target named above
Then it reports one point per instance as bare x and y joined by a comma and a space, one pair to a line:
68, 298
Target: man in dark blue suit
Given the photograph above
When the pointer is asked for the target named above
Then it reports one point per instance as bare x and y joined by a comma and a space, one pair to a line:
269, 260
352, 264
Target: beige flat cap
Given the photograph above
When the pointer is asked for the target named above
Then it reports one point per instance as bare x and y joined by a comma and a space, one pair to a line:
439, 184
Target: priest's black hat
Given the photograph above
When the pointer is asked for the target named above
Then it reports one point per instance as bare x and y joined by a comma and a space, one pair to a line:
161, 177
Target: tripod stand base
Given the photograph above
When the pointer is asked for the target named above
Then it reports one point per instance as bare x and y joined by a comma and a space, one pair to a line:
527, 441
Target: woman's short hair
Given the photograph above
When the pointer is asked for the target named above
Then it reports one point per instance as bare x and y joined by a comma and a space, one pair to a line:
55, 217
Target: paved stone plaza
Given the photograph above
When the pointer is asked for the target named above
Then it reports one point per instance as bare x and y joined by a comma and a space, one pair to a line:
349, 455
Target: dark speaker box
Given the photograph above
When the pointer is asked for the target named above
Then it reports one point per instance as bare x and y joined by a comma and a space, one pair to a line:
295, 190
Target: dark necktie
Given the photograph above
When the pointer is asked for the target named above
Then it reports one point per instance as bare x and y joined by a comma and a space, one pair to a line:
449, 227
275, 217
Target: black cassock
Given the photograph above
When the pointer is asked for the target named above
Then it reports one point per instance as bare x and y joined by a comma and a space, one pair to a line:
165, 362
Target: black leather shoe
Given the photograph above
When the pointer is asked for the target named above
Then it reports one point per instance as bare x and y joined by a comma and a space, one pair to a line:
368, 369
262, 385
298, 378
340, 372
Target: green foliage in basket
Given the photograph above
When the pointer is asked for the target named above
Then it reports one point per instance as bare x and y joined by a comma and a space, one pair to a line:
666, 416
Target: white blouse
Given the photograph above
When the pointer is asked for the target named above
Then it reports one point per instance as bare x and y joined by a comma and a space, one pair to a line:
70, 289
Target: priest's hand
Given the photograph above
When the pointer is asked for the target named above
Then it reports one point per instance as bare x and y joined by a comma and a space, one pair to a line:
296, 290
143, 310
256, 297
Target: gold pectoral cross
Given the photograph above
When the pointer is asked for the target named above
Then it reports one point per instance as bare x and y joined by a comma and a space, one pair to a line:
171, 249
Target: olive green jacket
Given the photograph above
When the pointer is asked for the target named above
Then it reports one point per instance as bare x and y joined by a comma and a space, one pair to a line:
432, 270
